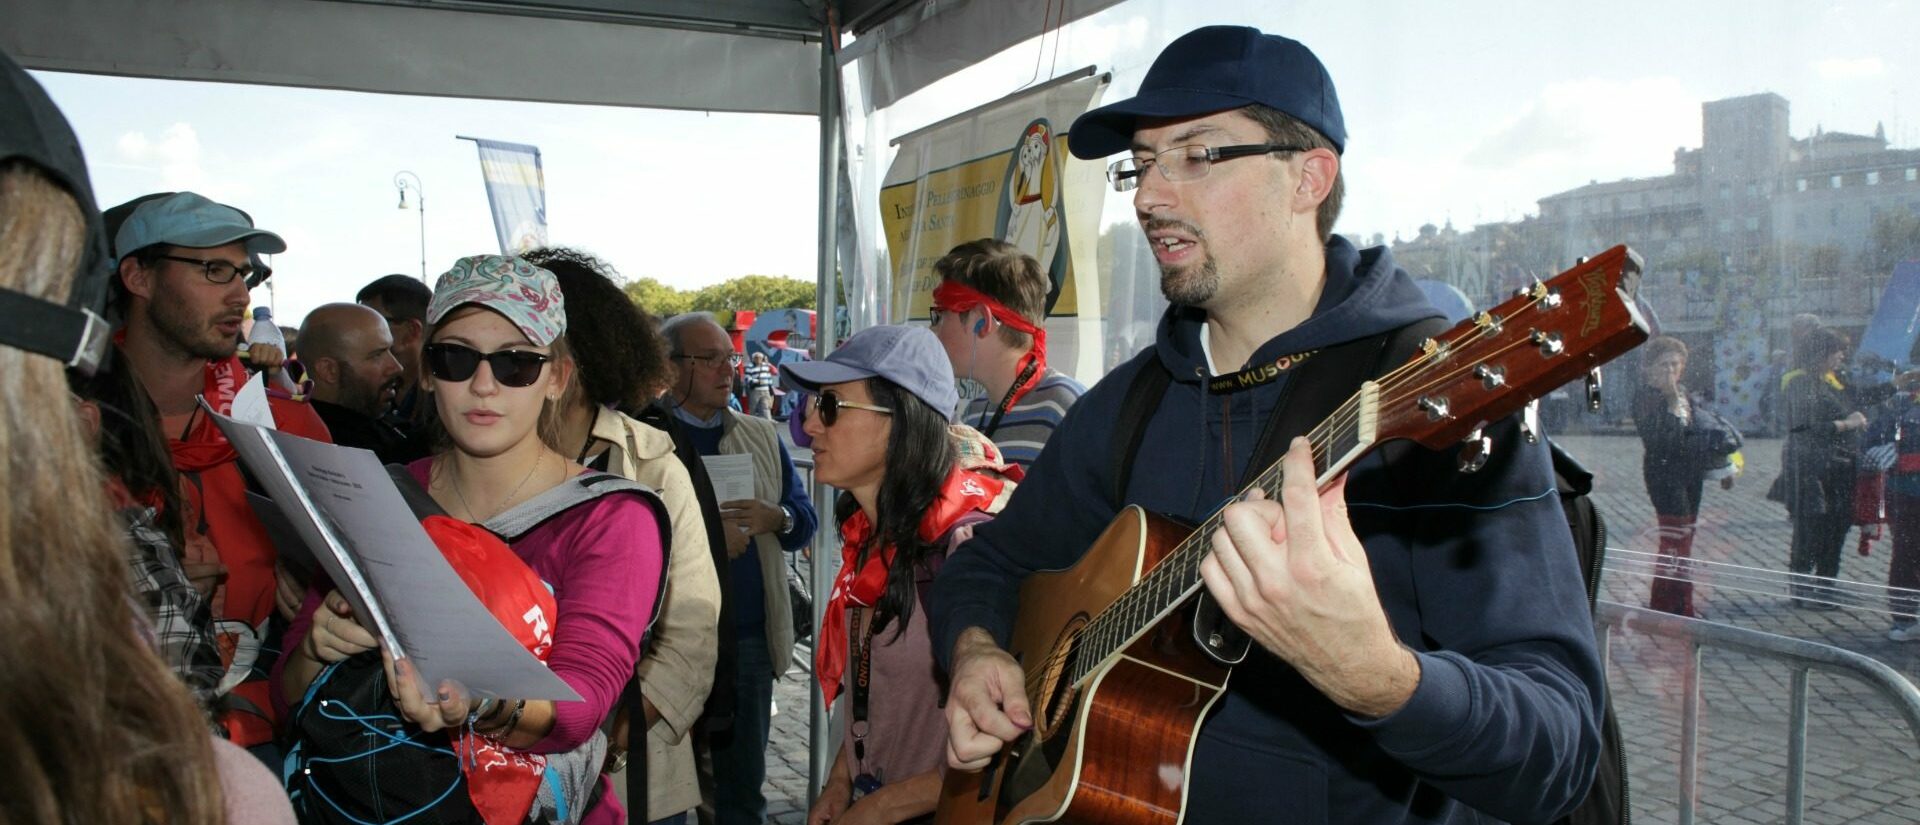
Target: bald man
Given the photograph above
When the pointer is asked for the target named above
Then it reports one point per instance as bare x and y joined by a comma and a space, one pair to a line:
348, 350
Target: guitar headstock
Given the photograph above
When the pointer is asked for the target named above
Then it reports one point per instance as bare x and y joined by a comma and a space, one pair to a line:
1492, 364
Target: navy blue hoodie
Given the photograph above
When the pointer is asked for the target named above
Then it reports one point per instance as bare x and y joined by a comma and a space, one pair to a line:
1477, 573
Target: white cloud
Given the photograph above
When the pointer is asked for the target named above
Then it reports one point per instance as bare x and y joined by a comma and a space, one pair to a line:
174, 154
1596, 124
1849, 68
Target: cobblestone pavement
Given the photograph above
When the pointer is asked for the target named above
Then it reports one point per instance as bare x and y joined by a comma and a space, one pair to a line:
1863, 761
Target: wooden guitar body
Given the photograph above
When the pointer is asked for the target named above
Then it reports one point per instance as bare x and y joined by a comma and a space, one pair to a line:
1139, 712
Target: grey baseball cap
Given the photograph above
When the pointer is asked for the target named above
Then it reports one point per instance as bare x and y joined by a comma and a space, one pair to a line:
192, 220
910, 357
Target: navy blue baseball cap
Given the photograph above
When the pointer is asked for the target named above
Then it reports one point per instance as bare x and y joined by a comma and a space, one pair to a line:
910, 357
1213, 69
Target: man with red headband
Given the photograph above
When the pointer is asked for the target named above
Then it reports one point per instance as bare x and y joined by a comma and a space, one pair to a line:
987, 312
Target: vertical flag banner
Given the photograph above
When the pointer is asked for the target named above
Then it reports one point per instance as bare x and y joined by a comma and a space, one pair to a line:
517, 191
1001, 171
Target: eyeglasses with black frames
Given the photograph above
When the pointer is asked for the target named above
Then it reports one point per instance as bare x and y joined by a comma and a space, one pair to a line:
218, 272
1185, 162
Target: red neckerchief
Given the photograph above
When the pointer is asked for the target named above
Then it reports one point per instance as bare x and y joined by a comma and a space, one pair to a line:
958, 297
204, 446
861, 584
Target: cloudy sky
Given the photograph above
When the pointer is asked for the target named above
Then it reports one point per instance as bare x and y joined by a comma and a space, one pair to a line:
1464, 111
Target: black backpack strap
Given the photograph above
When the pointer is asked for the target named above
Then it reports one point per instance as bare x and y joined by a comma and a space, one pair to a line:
1140, 403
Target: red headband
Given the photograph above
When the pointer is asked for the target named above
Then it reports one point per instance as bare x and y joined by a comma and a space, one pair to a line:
957, 297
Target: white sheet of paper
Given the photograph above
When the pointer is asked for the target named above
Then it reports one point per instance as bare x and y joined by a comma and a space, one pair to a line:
343, 504
251, 406
732, 476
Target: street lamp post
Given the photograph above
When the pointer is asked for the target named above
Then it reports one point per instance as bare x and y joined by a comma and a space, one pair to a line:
401, 182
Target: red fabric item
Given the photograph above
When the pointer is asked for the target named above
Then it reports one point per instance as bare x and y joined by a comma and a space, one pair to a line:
1672, 572
862, 584
502, 781
957, 297
221, 526
1870, 498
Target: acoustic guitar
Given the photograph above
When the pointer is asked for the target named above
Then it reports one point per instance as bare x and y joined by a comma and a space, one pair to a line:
1120, 669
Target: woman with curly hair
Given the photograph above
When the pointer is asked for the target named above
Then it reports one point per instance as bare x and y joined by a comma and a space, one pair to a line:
622, 363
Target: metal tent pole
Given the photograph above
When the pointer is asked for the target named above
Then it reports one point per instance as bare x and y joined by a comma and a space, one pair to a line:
826, 535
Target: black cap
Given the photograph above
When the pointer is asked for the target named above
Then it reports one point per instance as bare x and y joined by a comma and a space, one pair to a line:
1213, 69
33, 130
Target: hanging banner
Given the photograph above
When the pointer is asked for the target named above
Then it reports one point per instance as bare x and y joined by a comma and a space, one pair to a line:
517, 191
1001, 171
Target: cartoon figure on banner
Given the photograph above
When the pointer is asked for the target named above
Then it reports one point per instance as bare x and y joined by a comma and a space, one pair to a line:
1030, 218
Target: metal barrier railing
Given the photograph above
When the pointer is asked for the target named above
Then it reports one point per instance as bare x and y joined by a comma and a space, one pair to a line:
1801, 655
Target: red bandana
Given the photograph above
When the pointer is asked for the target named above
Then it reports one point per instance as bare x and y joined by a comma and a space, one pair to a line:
965, 491
957, 297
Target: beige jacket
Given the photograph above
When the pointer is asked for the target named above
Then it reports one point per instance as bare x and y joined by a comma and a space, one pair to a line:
757, 437
677, 672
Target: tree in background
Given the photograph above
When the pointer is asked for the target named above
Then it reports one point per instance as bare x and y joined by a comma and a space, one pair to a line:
755, 292
659, 299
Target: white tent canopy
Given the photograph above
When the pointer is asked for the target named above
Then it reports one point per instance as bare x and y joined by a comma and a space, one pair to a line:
714, 55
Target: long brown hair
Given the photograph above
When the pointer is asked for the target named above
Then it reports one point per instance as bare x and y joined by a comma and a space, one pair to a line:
93, 726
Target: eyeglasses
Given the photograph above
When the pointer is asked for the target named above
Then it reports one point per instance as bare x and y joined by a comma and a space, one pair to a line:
712, 362
829, 404
934, 313
219, 272
1185, 162
511, 367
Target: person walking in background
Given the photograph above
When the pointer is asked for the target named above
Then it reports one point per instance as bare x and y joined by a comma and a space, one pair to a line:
1822, 456
760, 380
1674, 465
1896, 451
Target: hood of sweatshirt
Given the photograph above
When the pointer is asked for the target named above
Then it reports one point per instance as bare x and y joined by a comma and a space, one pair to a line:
1366, 293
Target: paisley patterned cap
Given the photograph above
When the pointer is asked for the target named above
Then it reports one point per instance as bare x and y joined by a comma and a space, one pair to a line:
528, 295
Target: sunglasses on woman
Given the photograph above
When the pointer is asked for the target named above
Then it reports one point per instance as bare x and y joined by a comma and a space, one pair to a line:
511, 367
828, 405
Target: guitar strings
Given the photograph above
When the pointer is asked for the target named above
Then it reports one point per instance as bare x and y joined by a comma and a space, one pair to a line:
1185, 557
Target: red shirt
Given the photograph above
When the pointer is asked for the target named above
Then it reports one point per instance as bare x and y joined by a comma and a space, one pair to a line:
220, 526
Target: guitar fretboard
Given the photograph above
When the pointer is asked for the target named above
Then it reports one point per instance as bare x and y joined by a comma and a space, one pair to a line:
1337, 441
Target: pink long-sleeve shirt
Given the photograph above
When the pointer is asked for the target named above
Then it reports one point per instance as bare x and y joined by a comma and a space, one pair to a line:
603, 560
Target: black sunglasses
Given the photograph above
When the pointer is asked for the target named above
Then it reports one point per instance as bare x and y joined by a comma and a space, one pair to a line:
511, 367
830, 403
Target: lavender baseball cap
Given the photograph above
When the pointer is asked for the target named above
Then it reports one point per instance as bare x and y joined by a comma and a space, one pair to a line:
910, 357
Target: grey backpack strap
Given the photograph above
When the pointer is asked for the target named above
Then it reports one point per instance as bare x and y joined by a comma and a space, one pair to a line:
580, 489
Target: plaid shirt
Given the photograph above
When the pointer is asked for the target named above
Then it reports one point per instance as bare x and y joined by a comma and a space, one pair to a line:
182, 618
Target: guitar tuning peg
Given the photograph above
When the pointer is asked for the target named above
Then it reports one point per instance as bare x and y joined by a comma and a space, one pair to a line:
1593, 390
1474, 452
1530, 422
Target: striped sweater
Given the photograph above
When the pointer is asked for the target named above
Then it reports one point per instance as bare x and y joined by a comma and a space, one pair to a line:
1024, 430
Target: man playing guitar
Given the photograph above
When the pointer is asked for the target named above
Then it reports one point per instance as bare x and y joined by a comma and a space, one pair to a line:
1423, 647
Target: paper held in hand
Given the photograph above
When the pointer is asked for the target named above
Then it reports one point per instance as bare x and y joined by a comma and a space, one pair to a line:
348, 514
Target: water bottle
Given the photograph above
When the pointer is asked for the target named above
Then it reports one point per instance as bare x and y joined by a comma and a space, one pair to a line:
265, 331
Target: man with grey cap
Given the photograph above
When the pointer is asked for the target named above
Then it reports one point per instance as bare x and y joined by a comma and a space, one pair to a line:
184, 267
1422, 648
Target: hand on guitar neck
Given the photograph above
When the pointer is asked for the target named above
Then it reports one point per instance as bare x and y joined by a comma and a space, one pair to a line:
1293, 575
986, 701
